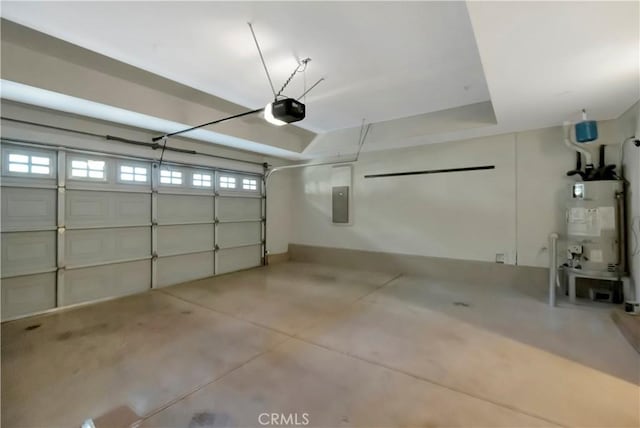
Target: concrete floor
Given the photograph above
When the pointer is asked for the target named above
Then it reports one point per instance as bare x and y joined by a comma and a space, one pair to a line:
347, 348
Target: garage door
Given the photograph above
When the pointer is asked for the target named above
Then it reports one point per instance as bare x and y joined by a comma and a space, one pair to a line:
185, 224
209, 222
79, 227
239, 221
29, 206
107, 228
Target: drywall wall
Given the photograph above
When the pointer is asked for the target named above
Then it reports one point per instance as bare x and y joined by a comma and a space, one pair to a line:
279, 215
467, 215
278, 195
629, 125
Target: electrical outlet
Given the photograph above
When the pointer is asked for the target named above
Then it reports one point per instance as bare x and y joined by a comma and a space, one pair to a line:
500, 257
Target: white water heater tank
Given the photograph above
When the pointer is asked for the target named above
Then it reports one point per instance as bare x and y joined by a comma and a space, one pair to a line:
594, 220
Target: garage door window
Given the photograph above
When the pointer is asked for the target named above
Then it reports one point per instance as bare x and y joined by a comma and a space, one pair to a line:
88, 169
135, 174
249, 184
201, 180
227, 182
29, 164
171, 177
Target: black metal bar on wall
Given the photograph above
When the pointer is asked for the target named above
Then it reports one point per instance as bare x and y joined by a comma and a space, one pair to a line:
431, 171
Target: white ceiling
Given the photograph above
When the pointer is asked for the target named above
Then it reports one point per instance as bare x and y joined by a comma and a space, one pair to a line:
539, 63
545, 61
381, 60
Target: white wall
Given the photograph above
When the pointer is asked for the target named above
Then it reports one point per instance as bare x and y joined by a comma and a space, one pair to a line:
279, 213
458, 215
465, 215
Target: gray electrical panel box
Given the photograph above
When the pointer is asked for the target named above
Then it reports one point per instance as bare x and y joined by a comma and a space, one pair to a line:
340, 204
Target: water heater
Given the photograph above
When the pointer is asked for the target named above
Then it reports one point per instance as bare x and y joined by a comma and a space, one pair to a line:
595, 221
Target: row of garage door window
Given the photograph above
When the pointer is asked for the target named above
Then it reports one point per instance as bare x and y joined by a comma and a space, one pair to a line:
94, 170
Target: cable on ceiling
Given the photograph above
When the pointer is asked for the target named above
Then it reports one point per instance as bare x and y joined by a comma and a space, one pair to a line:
264, 64
309, 90
363, 136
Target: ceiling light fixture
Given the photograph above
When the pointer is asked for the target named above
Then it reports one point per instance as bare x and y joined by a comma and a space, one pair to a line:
268, 116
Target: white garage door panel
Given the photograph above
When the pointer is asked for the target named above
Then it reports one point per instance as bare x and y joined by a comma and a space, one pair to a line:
181, 239
105, 209
177, 269
238, 258
24, 295
94, 246
82, 285
239, 208
24, 209
28, 252
184, 209
237, 234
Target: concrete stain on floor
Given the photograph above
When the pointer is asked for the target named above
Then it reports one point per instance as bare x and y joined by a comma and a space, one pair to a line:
343, 347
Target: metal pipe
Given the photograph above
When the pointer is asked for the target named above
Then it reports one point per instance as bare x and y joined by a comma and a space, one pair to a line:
553, 261
303, 165
265, 252
601, 160
622, 228
361, 139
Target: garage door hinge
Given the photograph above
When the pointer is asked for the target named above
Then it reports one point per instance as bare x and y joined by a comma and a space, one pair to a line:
216, 194
216, 220
216, 248
154, 223
154, 255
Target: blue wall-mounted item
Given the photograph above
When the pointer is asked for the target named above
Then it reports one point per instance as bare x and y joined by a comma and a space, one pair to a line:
587, 130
